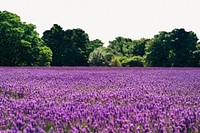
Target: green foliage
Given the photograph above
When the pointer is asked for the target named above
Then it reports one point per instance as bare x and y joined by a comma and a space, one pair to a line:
100, 57
122, 58
196, 54
50, 126
127, 47
120, 45
53, 38
138, 47
92, 45
133, 61
157, 50
70, 47
45, 56
115, 62
174, 48
128, 52
20, 44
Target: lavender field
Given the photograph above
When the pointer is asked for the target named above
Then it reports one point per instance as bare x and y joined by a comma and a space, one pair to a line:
101, 99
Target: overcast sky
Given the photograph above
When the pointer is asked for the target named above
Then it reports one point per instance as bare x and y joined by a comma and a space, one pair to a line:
107, 19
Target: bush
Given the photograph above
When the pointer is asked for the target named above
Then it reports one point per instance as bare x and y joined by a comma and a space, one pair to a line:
100, 57
115, 62
133, 61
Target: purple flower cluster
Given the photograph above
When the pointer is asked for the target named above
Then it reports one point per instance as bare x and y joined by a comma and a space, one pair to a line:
99, 99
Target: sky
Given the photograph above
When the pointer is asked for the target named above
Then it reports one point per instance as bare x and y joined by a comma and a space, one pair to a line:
108, 19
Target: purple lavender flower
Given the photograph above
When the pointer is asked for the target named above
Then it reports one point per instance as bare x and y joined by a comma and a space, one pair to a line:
98, 99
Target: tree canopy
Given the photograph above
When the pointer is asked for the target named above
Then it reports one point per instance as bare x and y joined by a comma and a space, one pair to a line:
20, 44
120, 45
175, 48
70, 47
128, 47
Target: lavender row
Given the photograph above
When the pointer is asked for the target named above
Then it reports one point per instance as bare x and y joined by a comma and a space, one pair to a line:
99, 99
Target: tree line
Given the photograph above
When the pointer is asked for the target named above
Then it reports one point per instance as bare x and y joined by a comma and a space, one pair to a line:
20, 45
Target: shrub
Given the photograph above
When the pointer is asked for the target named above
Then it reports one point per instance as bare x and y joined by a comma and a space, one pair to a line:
133, 61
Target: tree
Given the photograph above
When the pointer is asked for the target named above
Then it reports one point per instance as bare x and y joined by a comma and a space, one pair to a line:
127, 47
79, 42
120, 45
20, 43
157, 50
44, 54
101, 57
137, 47
183, 44
197, 55
93, 45
69, 47
53, 38
175, 48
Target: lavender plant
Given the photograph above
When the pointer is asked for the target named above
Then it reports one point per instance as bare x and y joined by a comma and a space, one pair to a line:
99, 99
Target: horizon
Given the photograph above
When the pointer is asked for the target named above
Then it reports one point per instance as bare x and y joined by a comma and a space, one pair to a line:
106, 20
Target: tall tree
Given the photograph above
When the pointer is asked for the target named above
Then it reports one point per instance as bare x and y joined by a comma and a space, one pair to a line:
183, 44
20, 44
197, 54
157, 50
79, 42
175, 48
53, 38
127, 47
120, 45
93, 45
70, 47
137, 47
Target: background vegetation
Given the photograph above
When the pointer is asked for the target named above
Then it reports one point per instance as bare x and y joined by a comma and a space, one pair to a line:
20, 45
